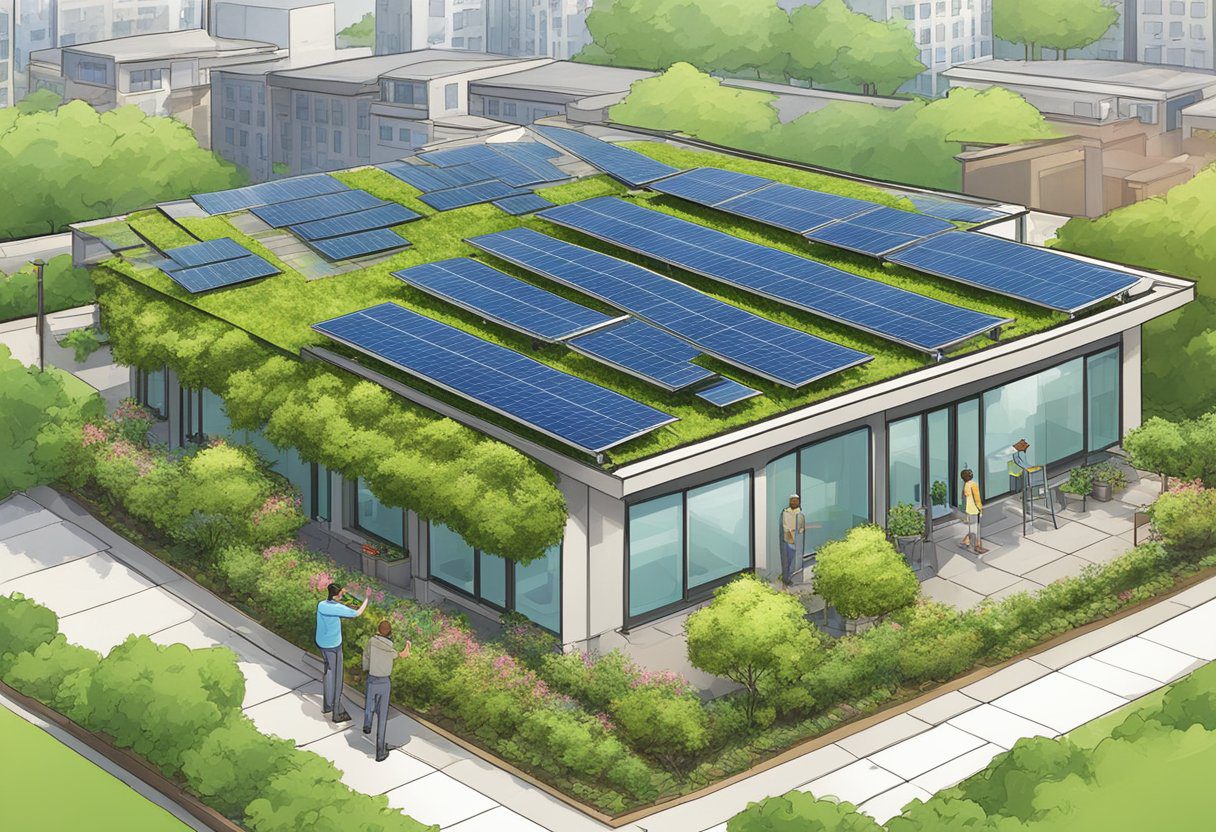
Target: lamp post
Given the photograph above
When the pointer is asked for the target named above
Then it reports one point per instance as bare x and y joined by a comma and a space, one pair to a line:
39, 264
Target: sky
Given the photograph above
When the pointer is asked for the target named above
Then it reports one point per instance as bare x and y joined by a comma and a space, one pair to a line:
351, 10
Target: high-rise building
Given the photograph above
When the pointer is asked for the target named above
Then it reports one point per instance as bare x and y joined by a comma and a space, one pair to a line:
518, 28
1174, 32
543, 28
7, 21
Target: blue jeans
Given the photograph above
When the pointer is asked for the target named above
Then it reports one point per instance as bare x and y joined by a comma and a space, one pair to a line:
331, 695
378, 689
790, 562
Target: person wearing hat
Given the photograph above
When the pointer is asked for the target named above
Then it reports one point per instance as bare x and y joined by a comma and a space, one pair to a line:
793, 525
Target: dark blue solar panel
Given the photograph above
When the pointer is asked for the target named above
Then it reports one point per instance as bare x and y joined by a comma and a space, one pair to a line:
313, 208
727, 392
503, 299
884, 310
577, 412
469, 174
949, 209
522, 204
469, 195
382, 217
1042, 277
768, 349
519, 174
459, 155
709, 186
627, 165
539, 169
794, 209
538, 150
358, 245
224, 273
240, 199
644, 351
423, 177
879, 231
211, 251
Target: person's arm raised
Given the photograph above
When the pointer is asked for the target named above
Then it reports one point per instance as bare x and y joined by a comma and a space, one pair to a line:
363, 606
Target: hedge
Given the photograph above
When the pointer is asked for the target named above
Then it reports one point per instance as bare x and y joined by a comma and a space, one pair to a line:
64, 287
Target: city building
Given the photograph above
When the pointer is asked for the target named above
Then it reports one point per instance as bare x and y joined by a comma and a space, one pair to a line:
546, 90
7, 58
518, 28
413, 25
552, 28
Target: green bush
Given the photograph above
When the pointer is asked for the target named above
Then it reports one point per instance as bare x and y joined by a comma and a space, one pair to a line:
1185, 517
905, 520
1080, 481
64, 287
233, 764
82, 342
669, 728
1008, 785
24, 624
55, 673
526, 641
863, 576
937, 645
801, 812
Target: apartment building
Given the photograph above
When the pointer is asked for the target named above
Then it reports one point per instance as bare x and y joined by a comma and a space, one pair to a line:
7, 20
552, 28
547, 90
518, 28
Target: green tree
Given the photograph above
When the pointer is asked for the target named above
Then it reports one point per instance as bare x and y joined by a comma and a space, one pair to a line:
668, 728
814, 40
801, 812
1157, 446
39, 101
828, 43
863, 576
1053, 24
758, 638
360, 33
40, 423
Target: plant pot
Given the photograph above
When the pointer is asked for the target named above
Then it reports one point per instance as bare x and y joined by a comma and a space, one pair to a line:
394, 572
1101, 492
1066, 496
369, 564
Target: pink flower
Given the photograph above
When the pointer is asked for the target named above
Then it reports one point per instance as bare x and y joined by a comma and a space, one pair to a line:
606, 722
91, 435
320, 581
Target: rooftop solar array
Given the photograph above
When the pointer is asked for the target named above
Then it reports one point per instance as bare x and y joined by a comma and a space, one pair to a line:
565, 407
221, 273
949, 209
469, 195
1042, 277
384, 216
459, 155
879, 231
423, 177
709, 186
522, 204
520, 172
532, 155
727, 392
644, 351
240, 199
794, 209
322, 207
210, 251
621, 163
503, 299
886, 311
359, 245
779, 353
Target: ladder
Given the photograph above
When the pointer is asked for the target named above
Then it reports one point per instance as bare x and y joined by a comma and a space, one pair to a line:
1034, 490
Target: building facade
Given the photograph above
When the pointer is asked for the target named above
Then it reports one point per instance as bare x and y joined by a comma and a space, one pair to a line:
518, 28
7, 58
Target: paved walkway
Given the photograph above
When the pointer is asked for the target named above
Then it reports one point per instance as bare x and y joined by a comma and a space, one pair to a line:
105, 588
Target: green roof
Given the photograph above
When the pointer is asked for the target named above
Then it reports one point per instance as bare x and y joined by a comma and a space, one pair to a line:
281, 309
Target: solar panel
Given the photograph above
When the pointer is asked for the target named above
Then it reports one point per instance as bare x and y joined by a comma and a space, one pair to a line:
503, 299
240, 199
886, 311
210, 251
581, 414
469, 195
1037, 275
468, 174
539, 168
381, 217
627, 165
522, 204
794, 209
779, 353
709, 186
459, 155
423, 177
224, 273
727, 392
949, 209
879, 231
519, 174
313, 208
533, 148
358, 245
646, 352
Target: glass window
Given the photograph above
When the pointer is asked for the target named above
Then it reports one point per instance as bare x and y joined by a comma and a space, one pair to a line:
835, 486
780, 481
386, 133
373, 516
508, 109
937, 461
452, 558
656, 554
719, 530
1177, 6
967, 441
323, 493
1199, 10
1102, 376
538, 589
337, 141
155, 396
493, 580
339, 114
301, 107
215, 420
451, 96
904, 461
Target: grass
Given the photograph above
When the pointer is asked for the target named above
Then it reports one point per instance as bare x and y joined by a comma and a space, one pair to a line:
53, 787
282, 308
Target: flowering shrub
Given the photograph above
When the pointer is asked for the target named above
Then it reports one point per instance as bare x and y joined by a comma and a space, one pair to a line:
1185, 516
132, 421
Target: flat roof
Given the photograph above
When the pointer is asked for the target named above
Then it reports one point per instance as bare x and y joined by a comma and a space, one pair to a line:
184, 43
425, 63
292, 62
1205, 108
1112, 77
569, 78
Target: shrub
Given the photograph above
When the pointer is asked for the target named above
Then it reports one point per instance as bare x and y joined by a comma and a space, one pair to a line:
1109, 473
757, 638
801, 812
232, 765
54, 673
82, 342
1157, 446
1080, 481
24, 624
905, 520
1008, 785
670, 728
1185, 517
527, 642
937, 645
131, 420
863, 576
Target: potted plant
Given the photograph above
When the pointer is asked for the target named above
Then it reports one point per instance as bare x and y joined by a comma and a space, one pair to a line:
1080, 483
939, 493
1108, 478
393, 567
906, 525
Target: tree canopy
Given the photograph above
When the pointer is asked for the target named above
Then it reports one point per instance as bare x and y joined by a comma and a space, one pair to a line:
830, 44
1054, 24
360, 33
72, 164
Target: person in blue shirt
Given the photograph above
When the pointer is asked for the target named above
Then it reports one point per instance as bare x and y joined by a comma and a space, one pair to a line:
330, 613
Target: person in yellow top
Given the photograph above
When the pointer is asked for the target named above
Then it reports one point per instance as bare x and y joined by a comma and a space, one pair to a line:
974, 506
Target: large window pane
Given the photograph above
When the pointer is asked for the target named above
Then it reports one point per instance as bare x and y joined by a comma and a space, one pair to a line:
780, 481
538, 589
719, 530
1062, 394
1104, 403
937, 427
298, 473
835, 487
451, 558
215, 420
377, 518
904, 461
656, 553
967, 442
323, 493
493, 580
156, 392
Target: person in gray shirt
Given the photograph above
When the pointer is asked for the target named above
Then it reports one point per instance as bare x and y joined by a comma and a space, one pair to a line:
378, 658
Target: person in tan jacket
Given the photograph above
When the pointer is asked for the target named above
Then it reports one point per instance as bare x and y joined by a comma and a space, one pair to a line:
378, 657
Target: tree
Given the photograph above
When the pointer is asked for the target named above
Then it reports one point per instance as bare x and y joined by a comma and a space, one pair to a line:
1054, 24
39, 101
863, 576
757, 638
814, 40
40, 421
1157, 446
360, 33
830, 44
801, 812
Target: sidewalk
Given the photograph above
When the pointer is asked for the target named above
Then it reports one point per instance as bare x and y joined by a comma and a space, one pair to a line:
105, 588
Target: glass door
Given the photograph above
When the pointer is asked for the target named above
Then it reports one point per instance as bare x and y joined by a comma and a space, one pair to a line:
939, 474
904, 462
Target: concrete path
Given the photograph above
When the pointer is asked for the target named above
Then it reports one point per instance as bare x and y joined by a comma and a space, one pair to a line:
104, 588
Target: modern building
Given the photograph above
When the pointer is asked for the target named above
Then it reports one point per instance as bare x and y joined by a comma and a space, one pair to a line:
948, 32
413, 25
7, 58
547, 28
518, 28
547, 90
